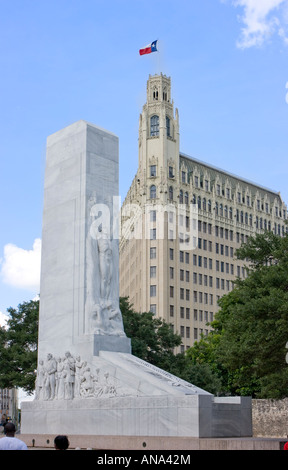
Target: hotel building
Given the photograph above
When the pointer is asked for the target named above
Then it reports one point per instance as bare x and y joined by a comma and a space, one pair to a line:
182, 221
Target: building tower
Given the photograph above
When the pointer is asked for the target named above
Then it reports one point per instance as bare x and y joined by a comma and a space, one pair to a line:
158, 135
159, 271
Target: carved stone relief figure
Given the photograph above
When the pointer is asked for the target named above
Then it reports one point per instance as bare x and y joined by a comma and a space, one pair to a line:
102, 313
60, 375
105, 263
68, 378
79, 365
40, 380
50, 380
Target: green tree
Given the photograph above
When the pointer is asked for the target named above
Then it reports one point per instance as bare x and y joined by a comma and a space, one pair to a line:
152, 339
18, 347
204, 369
252, 322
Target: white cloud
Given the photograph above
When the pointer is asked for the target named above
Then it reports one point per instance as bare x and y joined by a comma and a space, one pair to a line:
21, 268
3, 319
262, 19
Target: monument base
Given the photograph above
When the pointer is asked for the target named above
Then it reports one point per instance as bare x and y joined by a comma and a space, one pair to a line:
131, 397
146, 444
194, 416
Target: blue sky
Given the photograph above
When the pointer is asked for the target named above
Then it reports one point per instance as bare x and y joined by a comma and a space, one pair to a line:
65, 60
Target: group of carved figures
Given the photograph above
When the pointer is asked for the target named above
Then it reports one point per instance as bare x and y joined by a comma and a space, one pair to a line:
68, 377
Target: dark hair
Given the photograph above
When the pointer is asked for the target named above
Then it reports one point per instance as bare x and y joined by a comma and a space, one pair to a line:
9, 428
61, 442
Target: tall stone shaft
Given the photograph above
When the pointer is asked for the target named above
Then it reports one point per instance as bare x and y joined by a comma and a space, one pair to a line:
79, 291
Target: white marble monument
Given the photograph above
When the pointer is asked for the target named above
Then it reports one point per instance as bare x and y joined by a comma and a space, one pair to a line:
86, 373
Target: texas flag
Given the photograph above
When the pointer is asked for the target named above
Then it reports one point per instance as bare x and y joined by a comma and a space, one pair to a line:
148, 49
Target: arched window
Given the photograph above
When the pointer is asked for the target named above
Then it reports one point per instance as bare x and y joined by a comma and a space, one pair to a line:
204, 204
216, 208
171, 193
154, 125
226, 211
230, 213
181, 197
186, 198
221, 209
153, 191
250, 220
209, 205
199, 202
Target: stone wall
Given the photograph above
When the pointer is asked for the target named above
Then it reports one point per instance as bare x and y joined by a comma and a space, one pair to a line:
270, 418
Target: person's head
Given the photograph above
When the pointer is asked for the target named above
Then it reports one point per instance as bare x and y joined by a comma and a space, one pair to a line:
61, 443
9, 429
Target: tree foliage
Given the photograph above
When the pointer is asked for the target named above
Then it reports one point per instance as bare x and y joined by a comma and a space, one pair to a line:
152, 339
252, 322
18, 347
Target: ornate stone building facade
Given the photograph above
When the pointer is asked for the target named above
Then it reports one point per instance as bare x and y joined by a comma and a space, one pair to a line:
182, 221
8, 405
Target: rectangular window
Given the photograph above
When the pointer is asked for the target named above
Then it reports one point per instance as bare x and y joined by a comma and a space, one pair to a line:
153, 234
153, 252
152, 170
152, 271
153, 291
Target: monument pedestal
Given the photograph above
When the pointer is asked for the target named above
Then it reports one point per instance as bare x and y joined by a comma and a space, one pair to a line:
134, 398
